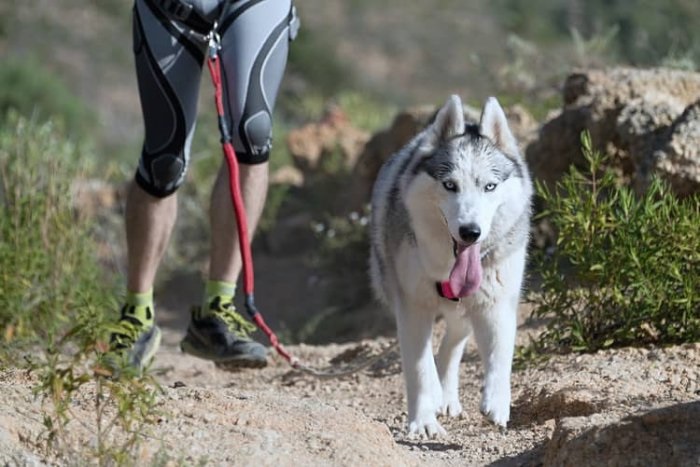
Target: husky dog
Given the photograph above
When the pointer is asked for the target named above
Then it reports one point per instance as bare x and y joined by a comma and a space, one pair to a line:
449, 232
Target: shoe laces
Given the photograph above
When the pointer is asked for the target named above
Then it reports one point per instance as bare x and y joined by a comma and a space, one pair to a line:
127, 330
226, 311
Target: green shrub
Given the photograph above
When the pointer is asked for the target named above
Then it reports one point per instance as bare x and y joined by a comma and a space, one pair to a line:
56, 300
342, 255
626, 269
49, 278
125, 407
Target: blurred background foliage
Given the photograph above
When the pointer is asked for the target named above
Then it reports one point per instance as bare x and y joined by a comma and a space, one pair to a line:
646, 32
70, 61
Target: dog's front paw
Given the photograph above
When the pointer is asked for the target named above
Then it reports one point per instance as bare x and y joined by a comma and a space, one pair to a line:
451, 406
495, 405
425, 427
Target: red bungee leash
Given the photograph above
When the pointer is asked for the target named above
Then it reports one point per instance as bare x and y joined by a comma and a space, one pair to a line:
214, 64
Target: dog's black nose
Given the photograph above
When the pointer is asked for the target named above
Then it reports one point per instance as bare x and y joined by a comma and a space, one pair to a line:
469, 233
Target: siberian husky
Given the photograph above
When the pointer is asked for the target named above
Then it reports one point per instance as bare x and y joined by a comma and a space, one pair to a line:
449, 232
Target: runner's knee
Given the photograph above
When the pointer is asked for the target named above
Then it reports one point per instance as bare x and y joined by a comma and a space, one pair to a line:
161, 175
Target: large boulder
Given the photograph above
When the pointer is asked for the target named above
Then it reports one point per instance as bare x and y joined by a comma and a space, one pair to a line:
646, 119
666, 436
384, 143
314, 145
678, 157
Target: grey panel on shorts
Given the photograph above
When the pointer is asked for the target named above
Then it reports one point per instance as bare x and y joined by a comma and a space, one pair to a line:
169, 58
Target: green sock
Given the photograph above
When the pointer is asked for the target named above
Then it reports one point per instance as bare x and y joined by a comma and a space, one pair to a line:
140, 305
213, 289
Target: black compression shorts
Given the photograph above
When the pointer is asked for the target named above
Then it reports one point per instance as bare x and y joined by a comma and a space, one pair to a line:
169, 53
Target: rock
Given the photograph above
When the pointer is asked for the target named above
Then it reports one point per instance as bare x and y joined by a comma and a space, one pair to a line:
557, 147
11, 450
316, 143
678, 160
271, 430
522, 124
386, 142
546, 405
643, 118
287, 175
666, 436
383, 144
93, 197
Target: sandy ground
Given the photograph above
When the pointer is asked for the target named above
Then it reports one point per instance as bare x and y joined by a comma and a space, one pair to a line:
276, 416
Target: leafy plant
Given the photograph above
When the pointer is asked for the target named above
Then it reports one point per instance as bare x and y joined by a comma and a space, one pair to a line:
626, 269
54, 298
49, 267
124, 406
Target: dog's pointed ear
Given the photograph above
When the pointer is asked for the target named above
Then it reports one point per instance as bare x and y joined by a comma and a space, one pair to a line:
494, 126
449, 121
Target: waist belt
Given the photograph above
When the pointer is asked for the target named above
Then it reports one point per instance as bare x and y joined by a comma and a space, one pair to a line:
185, 13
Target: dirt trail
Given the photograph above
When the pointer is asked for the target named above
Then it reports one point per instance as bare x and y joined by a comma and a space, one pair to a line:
277, 417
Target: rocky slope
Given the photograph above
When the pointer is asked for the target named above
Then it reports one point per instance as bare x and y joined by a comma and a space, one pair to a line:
647, 120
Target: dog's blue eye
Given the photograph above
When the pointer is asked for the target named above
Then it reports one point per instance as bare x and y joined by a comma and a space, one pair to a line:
450, 185
490, 187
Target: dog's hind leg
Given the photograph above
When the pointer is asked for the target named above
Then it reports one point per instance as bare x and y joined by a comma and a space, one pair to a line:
449, 356
423, 390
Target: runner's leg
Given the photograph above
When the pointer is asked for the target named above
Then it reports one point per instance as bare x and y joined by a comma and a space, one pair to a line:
168, 67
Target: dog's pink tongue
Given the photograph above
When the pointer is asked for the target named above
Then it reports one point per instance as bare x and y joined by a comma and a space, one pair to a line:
465, 277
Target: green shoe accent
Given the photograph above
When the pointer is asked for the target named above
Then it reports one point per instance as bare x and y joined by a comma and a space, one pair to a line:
224, 309
222, 290
134, 339
140, 306
140, 298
